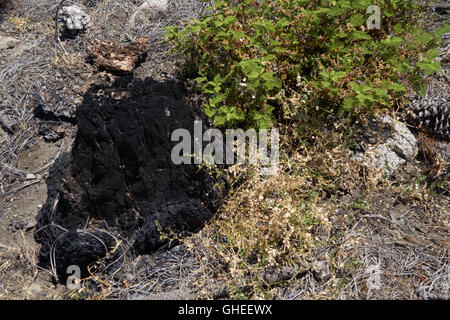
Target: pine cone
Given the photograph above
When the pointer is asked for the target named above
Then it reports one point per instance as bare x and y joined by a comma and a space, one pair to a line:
432, 114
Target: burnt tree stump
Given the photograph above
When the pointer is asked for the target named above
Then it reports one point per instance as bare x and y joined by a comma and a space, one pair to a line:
119, 178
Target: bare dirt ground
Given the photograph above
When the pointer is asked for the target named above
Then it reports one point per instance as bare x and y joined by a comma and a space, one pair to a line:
19, 277
398, 230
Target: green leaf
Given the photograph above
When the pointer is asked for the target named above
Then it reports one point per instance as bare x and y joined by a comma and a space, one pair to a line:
283, 22
250, 68
430, 67
209, 111
326, 84
360, 35
200, 79
269, 25
229, 20
357, 20
218, 79
271, 82
382, 93
355, 87
397, 87
348, 104
335, 76
394, 42
219, 120
431, 54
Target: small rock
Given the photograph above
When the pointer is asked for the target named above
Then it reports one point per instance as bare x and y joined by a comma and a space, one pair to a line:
321, 268
52, 131
154, 6
160, 5
74, 19
15, 225
388, 145
7, 42
30, 176
34, 291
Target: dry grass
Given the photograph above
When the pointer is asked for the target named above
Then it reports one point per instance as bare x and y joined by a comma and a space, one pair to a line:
269, 228
20, 77
295, 235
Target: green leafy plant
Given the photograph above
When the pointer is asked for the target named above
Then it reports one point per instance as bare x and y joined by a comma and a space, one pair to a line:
359, 204
253, 58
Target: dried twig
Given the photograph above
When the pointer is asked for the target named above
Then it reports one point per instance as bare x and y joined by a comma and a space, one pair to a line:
26, 185
57, 38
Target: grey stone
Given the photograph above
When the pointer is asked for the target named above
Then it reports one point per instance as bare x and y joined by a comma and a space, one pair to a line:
321, 269
74, 19
34, 291
30, 176
395, 147
7, 42
152, 6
